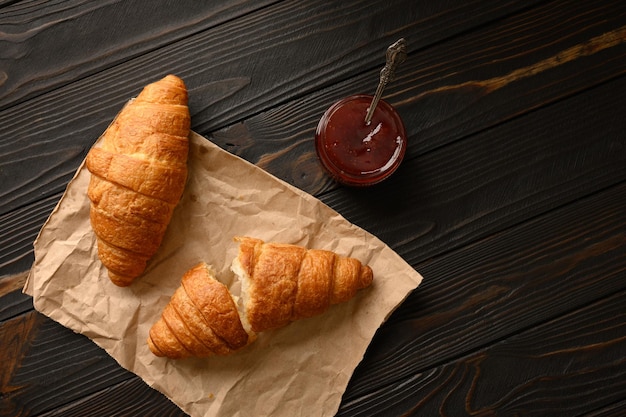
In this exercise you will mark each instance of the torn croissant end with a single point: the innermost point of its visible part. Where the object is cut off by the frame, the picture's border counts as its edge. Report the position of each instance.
(201, 319)
(280, 283)
(138, 174)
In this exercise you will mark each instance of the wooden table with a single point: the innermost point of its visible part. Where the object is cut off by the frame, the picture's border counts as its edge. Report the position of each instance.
(511, 201)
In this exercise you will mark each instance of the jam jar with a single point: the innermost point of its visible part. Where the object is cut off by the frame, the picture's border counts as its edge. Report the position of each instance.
(357, 153)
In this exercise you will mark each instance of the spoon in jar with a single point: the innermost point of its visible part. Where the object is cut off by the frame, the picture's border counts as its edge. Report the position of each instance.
(396, 54)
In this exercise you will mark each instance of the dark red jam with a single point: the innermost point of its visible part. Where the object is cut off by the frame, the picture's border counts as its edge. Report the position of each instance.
(356, 153)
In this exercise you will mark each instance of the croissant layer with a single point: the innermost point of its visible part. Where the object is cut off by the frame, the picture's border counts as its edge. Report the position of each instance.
(139, 171)
(201, 319)
(282, 283)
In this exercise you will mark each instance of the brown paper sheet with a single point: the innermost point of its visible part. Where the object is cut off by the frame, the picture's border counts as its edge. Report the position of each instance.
(302, 369)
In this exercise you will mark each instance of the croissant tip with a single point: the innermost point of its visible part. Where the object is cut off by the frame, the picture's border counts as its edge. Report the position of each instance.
(367, 276)
(173, 79)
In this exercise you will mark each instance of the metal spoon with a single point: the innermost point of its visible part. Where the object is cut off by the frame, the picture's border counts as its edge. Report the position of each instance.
(396, 54)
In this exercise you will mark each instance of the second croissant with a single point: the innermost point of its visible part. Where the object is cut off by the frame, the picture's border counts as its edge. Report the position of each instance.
(280, 283)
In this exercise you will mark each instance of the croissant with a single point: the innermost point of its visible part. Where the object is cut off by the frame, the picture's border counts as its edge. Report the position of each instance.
(201, 319)
(138, 176)
(281, 283)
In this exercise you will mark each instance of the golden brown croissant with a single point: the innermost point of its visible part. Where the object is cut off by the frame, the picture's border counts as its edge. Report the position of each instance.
(201, 319)
(282, 283)
(138, 176)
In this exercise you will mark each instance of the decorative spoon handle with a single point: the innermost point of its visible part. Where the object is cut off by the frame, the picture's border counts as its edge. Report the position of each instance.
(396, 54)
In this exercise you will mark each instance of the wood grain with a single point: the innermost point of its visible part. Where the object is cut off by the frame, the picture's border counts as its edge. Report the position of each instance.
(21, 227)
(448, 92)
(493, 180)
(227, 82)
(14, 339)
(506, 283)
(12, 283)
(615, 409)
(571, 365)
(42, 43)
(129, 398)
(51, 367)
(14, 302)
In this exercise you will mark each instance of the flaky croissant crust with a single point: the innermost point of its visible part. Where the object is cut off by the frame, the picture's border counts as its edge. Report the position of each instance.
(201, 319)
(282, 282)
(139, 172)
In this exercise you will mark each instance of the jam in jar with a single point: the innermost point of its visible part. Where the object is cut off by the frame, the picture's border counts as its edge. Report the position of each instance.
(355, 152)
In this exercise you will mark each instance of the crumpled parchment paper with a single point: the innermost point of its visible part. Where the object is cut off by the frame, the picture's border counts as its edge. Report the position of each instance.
(302, 369)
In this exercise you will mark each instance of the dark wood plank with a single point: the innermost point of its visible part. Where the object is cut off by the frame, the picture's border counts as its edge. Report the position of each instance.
(346, 38)
(488, 291)
(572, 365)
(615, 409)
(129, 398)
(43, 43)
(49, 365)
(20, 228)
(15, 335)
(227, 82)
(12, 301)
(456, 88)
(5, 3)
